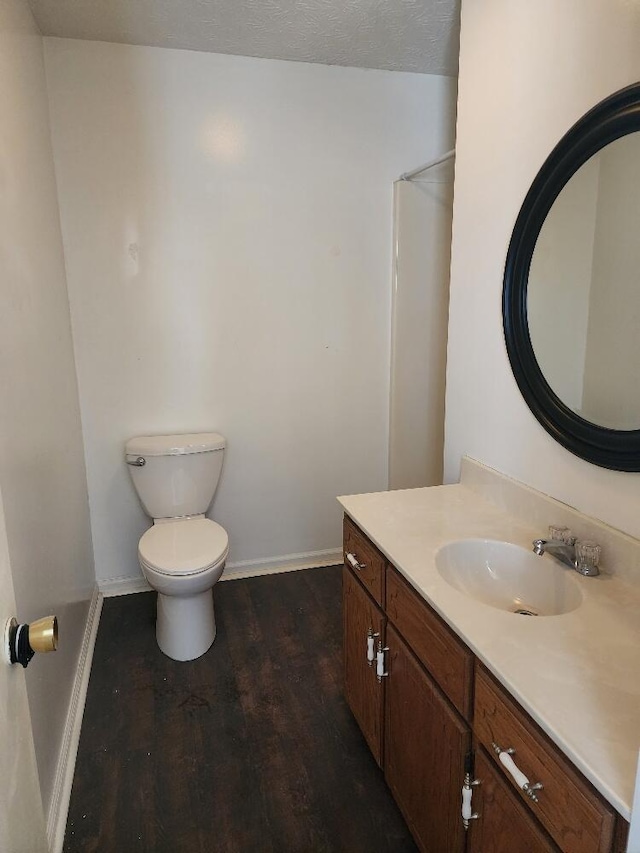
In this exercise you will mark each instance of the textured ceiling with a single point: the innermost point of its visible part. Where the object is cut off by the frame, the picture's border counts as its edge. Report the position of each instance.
(398, 35)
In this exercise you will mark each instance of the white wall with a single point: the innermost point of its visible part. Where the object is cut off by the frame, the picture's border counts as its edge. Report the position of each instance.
(227, 230)
(42, 472)
(528, 71)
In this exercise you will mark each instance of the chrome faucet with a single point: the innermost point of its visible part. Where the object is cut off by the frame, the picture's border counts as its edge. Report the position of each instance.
(583, 556)
(563, 551)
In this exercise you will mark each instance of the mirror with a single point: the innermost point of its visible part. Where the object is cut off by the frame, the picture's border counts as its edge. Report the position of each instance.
(571, 298)
(583, 293)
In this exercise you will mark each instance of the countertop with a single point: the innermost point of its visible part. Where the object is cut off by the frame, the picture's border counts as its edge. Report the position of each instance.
(576, 674)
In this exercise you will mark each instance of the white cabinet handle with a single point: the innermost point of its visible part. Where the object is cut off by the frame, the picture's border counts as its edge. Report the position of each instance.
(468, 813)
(371, 654)
(353, 561)
(380, 671)
(504, 756)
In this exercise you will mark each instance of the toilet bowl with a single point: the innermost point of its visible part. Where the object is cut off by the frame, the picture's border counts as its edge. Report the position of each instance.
(183, 554)
(182, 560)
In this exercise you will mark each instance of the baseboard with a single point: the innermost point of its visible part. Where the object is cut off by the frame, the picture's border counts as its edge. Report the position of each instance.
(59, 806)
(277, 565)
(126, 585)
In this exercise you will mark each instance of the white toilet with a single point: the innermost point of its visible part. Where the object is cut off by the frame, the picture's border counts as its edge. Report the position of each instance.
(183, 554)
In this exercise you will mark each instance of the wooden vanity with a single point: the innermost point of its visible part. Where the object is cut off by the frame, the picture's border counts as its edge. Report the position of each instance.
(432, 712)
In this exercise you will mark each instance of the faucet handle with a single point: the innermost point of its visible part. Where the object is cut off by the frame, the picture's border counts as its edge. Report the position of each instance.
(562, 534)
(587, 557)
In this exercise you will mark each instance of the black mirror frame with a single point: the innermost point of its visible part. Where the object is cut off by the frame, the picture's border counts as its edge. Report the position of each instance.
(616, 116)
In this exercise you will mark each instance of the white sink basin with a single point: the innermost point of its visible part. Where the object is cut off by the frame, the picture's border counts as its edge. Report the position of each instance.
(508, 577)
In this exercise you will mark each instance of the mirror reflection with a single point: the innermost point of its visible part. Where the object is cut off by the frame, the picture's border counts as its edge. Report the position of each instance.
(583, 293)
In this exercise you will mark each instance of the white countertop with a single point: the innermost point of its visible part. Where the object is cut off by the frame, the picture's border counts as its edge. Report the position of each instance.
(576, 674)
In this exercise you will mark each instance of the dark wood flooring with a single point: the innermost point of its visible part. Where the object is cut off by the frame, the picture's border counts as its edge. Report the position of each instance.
(250, 749)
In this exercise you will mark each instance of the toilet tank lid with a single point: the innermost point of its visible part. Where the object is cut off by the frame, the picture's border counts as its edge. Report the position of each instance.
(174, 445)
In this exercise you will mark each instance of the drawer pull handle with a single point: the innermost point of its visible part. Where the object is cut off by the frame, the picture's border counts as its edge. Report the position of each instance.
(353, 561)
(504, 755)
(371, 654)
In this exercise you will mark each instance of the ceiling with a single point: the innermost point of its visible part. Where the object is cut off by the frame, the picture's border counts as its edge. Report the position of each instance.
(397, 35)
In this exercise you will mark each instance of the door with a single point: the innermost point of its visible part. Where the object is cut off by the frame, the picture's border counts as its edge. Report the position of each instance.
(426, 742)
(22, 827)
(503, 824)
(363, 691)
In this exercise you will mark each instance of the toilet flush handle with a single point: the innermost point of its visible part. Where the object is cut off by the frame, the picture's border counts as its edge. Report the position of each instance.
(138, 462)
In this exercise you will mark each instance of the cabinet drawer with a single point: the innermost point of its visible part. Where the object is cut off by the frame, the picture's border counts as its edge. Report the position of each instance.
(441, 652)
(503, 822)
(568, 807)
(371, 563)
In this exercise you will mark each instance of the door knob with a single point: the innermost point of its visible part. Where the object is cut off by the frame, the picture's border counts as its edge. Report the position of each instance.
(22, 641)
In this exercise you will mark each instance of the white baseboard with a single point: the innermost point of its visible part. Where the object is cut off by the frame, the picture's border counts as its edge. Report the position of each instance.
(125, 585)
(59, 806)
(277, 565)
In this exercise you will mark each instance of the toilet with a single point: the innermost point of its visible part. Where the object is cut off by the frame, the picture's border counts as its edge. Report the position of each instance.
(183, 554)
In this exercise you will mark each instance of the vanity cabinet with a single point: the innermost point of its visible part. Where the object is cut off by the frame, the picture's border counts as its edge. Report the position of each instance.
(436, 711)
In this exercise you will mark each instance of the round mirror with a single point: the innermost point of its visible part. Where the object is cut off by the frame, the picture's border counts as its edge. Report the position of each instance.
(571, 299)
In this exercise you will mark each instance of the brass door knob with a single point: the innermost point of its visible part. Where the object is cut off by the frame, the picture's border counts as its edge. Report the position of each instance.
(43, 634)
(22, 641)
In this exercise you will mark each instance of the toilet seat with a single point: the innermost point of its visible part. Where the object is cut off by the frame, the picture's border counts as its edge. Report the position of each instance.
(184, 547)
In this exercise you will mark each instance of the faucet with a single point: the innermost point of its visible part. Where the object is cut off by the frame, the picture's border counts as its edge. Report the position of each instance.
(583, 556)
(563, 551)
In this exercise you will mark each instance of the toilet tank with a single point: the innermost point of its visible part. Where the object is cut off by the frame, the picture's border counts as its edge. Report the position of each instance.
(175, 475)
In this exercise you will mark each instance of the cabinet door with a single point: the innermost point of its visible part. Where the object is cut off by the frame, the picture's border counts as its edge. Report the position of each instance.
(363, 692)
(503, 824)
(425, 746)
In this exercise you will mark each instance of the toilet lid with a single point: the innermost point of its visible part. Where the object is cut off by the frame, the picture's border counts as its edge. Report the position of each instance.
(183, 547)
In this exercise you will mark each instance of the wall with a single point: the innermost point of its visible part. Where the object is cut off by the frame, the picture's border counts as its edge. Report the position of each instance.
(528, 71)
(42, 472)
(227, 229)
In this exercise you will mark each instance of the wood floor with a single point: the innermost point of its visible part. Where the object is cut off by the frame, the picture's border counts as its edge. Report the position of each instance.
(250, 749)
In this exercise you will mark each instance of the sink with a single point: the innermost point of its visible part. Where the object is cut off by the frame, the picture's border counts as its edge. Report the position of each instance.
(509, 577)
